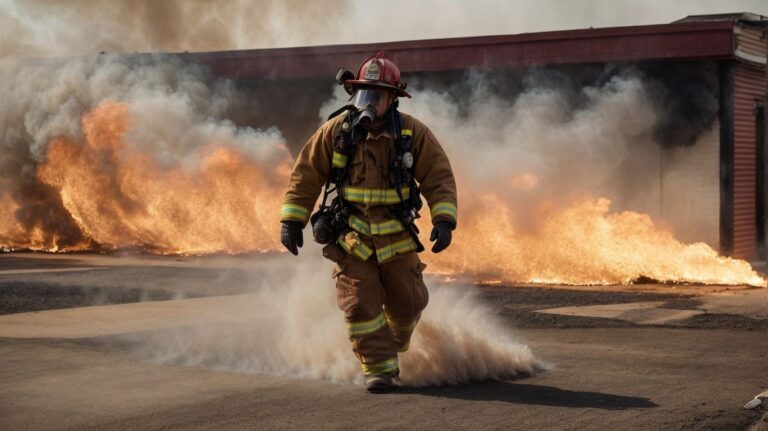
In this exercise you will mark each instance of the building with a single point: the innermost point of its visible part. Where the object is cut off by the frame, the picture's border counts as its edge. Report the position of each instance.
(720, 188)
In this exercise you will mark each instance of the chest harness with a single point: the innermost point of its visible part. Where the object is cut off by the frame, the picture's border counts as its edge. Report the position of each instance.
(331, 219)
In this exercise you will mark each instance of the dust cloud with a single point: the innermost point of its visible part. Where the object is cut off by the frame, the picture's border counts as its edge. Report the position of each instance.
(297, 330)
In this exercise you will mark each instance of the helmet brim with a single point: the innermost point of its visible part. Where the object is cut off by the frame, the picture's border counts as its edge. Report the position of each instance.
(376, 84)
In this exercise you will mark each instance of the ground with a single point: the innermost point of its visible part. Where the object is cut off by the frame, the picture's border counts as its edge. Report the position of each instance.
(641, 357)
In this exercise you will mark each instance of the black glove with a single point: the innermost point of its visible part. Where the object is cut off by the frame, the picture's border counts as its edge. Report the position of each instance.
(442, 233)
(291, 236)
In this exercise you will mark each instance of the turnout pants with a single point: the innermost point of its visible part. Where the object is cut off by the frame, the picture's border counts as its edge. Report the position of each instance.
(381, 302)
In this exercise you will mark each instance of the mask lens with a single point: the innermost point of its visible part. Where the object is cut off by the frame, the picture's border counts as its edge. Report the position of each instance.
(366, 97)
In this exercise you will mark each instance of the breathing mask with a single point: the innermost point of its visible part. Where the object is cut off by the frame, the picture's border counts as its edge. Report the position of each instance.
(371, 103)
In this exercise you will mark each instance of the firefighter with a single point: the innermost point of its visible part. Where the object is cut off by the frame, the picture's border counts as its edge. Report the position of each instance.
(377, 162)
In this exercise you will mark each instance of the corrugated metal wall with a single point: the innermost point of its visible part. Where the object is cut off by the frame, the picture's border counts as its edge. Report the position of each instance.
(749, 84)
(750, 43)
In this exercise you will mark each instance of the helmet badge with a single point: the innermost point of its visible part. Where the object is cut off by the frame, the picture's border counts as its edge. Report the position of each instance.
(373, 72)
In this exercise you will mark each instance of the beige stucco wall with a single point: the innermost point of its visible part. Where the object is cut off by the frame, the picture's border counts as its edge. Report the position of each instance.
(689, 185)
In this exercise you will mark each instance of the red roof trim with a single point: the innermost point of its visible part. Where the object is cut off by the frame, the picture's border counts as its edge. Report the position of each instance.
(693, 40)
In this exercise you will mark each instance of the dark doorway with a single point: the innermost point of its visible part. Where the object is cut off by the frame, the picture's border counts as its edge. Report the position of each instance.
(760, 176)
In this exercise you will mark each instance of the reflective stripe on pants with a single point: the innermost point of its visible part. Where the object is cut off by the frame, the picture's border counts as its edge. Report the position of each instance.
(367, 289)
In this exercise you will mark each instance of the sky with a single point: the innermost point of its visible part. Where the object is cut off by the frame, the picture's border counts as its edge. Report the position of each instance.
(78, 27)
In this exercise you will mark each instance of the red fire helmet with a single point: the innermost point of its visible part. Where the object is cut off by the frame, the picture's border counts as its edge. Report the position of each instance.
(378, 71)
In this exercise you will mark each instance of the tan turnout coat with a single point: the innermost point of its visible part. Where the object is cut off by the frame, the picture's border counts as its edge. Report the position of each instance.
(372, 229)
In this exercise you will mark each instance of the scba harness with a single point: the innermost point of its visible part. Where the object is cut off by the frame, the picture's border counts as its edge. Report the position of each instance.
(403, 202)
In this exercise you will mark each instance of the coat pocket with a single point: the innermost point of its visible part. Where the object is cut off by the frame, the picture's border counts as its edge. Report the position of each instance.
(334, 253)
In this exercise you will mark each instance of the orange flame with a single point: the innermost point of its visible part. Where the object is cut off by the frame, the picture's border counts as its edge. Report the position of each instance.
(121, 198)
(581, 245)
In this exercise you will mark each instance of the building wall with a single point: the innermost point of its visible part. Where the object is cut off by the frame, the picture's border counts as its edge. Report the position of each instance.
(749, 84)
(750, 42)
(690, 189)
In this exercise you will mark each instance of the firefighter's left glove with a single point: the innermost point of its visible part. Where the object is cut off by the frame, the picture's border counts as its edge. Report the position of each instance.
(291, 236)
(441, 234)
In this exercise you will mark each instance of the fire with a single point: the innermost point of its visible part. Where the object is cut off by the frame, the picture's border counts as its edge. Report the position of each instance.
(123, 198)
(584, 244)
(119, 196)
(10, 229)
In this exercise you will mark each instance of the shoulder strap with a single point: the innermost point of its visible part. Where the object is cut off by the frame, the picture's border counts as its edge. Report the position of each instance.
(404, 140)
(341, 110)
(344, 143)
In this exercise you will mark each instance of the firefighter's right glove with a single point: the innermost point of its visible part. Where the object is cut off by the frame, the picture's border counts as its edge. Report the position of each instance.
(441, 234)
(291, 236)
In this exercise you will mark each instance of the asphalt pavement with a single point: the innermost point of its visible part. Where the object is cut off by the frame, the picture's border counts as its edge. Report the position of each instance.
(141, 342)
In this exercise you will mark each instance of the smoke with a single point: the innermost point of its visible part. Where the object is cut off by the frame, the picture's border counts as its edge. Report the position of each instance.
(572, 140)
(142, 160)
(548, 138)
(81, 27)
(687, 101)
(577, 175)
(295, 329)
(543, 139)
(137, 151)
(155, 162)
(54, 28)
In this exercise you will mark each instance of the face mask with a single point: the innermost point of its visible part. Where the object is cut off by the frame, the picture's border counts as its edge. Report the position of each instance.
(369, 102)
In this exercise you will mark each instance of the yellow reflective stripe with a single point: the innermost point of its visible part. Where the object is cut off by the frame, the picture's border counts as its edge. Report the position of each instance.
(403, 246)
(402, 330)
(388, 366)
(358, 248)
(443, 208)
(294, 212)
(373, 196)
(367, 327)
(384, 228)
(339, 160)
(406, 132)
(359, 225)
(408, 327)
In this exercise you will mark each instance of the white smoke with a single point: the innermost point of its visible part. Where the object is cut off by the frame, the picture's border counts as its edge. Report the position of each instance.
(172, 102)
